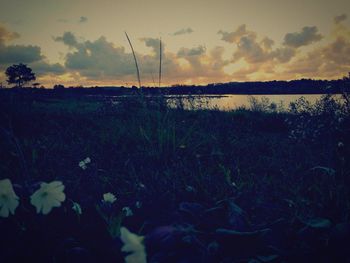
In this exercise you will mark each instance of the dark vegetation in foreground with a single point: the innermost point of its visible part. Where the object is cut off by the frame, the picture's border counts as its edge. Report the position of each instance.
(251, 185)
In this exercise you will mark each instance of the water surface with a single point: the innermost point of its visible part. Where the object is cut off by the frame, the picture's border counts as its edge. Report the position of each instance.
(229, 102)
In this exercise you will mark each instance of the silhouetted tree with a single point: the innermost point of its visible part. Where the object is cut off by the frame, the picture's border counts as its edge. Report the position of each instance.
(19, 74)
(58, 87)
(36, 84)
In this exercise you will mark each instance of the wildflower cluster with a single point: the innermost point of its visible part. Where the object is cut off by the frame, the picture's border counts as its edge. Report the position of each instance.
(48, 196)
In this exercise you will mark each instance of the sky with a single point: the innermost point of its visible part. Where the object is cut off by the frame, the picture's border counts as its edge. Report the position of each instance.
(82, 42)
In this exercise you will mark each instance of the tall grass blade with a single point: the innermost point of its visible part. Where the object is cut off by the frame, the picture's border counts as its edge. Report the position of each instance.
(137, 67)
(160, 61)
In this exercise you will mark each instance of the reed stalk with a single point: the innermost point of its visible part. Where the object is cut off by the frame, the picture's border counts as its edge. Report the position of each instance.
(160, 61)
(137, 67)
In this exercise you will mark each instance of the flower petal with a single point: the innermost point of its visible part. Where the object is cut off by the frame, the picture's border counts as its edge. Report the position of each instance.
(12, 205)
(4, 211)
(46, 208)
(60, 196)
(56, 184)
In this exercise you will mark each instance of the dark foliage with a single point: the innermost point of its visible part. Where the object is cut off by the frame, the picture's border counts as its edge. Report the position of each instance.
(204, 186)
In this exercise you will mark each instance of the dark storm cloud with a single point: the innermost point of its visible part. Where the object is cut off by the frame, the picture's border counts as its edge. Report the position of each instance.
(19, 54)
(305, 37)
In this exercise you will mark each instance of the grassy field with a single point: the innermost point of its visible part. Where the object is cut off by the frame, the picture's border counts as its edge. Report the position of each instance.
(250, 185)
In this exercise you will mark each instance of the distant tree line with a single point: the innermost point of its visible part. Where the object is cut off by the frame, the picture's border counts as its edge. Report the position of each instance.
(21, 74)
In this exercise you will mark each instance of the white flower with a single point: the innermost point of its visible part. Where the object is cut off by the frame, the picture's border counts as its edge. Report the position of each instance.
(127, 211)
(134, 245)
(48, 196)
(83, 163)
(109, 198)
(77, 208)
(340, 144)
(8, 198)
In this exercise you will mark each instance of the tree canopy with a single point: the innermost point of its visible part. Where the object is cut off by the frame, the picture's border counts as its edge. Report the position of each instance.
(19, 74)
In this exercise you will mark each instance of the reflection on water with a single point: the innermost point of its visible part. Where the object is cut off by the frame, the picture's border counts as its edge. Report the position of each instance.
(229, 101)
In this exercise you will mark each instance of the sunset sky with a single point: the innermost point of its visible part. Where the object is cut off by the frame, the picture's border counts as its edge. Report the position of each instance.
(82, 42)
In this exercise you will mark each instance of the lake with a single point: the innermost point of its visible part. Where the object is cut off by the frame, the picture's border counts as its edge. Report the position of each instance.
(229, 102)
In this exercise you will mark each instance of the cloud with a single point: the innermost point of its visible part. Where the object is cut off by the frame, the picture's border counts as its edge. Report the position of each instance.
(6, 36)
(186, 52)
(16, 53)
(284, 55)
(68, 39)
(235, 36)
(153, 43)
(96, 59)
(329, 61)
(183, 31)
(340, 18)
(83, 19)
(101, 60)
(307, 36)
(43, 67)
(204, 65)
(249, 48)
(253, 57)
(267, 43)
(338, 51)
(19, 54)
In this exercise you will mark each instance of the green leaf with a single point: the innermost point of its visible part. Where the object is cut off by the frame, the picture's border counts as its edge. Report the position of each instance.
(328, 170)
(115, 225)
(319, 223)
(228, 232)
